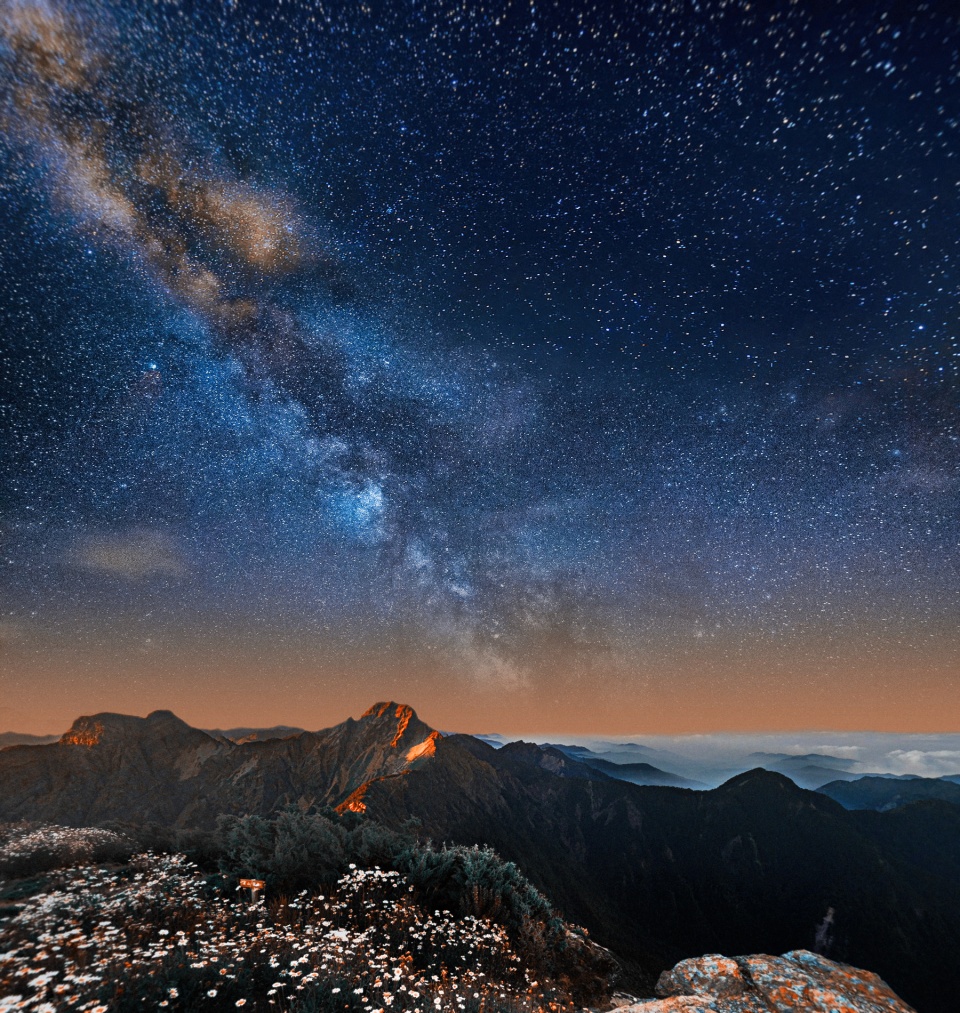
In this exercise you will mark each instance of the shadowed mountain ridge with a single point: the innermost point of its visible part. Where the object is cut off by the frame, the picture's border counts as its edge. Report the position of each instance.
(882, 793)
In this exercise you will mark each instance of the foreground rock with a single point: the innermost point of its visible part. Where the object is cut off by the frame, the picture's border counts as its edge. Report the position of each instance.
(799, 980)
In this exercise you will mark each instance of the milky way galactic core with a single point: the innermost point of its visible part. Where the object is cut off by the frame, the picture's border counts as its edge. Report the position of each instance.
(593, 361)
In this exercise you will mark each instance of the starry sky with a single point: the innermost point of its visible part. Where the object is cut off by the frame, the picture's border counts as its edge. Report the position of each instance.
(559, 365)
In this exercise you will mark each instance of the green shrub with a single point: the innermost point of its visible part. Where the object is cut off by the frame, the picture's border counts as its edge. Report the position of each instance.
(310, 851)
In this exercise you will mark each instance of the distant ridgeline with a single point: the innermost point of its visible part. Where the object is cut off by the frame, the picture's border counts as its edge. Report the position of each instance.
(886, 793)
(656, 873)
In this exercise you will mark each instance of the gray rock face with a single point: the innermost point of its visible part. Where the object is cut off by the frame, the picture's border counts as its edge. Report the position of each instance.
(799, 980)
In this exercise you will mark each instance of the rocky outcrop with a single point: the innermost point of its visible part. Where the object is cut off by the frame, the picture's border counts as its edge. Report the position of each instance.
(799, 980)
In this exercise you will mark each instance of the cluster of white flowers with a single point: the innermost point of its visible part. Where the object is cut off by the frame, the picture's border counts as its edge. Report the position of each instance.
(69, 844)
(157, 934)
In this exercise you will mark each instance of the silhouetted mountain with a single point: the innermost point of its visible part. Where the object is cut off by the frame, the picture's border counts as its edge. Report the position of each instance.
(552, 760)
(630, 747)
(892, 777)
(636, 773)
(785, 759)
(656, 873)
(883, 793)
(491, 738)
(23, 739)
(641, 773)
(571, 750)
(812, 776)
(809, 770)
(255, 734)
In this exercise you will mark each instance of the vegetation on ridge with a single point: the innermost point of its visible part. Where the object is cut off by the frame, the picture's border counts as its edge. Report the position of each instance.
(414, 927)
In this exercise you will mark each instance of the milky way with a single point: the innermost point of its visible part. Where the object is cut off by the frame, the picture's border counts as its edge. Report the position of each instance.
(557, 344)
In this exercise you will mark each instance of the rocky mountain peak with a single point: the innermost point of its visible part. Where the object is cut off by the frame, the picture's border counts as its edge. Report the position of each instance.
(389, 709)
(400, 719)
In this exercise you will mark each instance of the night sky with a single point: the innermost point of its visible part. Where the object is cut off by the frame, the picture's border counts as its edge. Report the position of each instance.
(557, 365)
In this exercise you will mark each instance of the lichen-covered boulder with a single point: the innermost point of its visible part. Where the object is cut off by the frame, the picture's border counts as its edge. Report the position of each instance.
(712, 975)
(799, 980)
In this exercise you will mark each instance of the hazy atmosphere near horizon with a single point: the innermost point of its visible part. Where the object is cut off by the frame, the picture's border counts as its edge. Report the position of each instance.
(572, 366)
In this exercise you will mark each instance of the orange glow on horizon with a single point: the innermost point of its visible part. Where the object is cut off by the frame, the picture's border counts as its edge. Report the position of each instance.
(214, 686)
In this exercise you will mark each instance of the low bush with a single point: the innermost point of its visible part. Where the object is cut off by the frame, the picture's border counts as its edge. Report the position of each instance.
(298, 850)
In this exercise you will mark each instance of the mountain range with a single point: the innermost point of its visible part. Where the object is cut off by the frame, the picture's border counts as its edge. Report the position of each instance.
(636, 773)
(696, 763)
(23, 739)
(160, 769)
(656, 873)
(885, 793)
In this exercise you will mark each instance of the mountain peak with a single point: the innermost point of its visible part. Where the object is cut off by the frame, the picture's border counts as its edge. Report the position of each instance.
(404, 716)
(387, 707)
(91, 730)
(163, 715)
(760, 778)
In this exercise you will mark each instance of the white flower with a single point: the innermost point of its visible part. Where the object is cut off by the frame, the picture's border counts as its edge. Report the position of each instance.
(241, 1002)
(212, 992)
